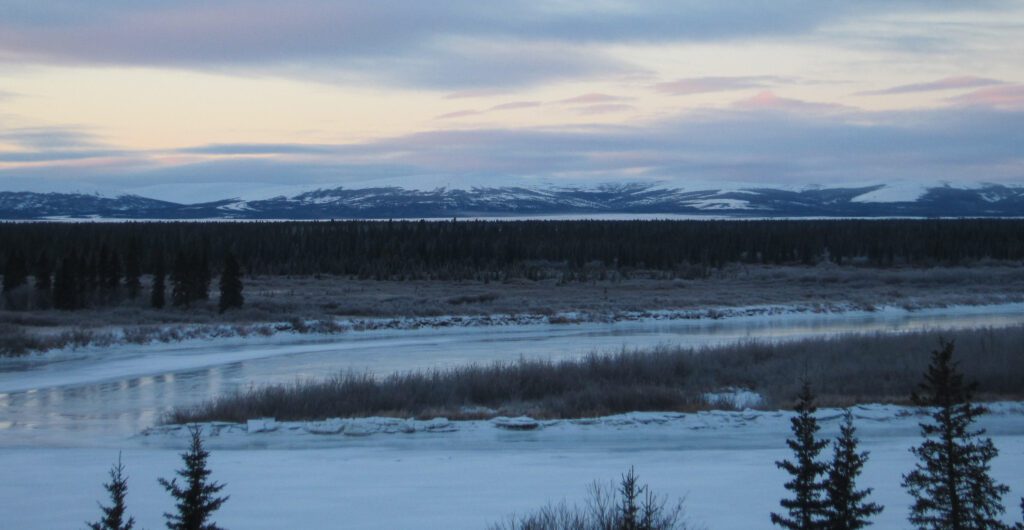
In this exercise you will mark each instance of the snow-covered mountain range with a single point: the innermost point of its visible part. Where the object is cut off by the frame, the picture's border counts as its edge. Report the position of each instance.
(393, 202)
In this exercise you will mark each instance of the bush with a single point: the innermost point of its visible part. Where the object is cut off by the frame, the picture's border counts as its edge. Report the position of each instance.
(630, 506)
(847, 369)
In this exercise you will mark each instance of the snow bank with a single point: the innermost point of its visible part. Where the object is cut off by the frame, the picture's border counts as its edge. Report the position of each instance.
(871, 419)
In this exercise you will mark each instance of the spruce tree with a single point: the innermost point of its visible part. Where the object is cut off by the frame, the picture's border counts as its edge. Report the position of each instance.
(630, 492)
(845, 506)
(157, 293)
(112, 279)
(201, 277)
(132, 270)
(231, 284)
(805, 510)
(950, 484)
(181, 281)
(114, 515)
(15, 272)
(15, 275)
(43, 273)
(65, 287)
(196, 498)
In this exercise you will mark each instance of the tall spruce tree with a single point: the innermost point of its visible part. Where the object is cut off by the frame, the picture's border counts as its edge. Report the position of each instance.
(181, 281)
(950, 484)
(15, 271)
(157, 294)
(43, 273)
(196, 499)
(15, 275)
(231, 284)
(845, 505)
(114, 515)
(806, 509)
(201, 276)
(65, 287)
(112, 271)
(132, 270)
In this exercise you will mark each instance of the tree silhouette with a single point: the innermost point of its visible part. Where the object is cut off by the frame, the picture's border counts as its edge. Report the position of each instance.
(114, 515)
(805, 510)
(231, 284)
(950, 484)
(157, 295)
(845, 506)
(196, 499)
(132, 270)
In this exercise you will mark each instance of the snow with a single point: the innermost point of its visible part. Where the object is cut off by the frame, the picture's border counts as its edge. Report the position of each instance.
(66, 416)
(479, 473)
(738, 398)
(719, 204)
(895, 192)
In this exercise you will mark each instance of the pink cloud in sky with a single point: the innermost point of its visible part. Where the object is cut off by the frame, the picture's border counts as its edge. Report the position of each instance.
(458, 114)
(700, 85)
(769, 101)
(1006, 97)
(605, 108)
(516, 105)
(478, 93)
(593, 97)
(946, 83)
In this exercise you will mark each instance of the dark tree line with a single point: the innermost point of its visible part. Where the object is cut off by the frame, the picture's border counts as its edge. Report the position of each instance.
(477, 249)
(81, 279)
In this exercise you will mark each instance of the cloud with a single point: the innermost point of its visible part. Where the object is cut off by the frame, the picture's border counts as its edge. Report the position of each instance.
(257, 149)
(604, 109)
(1010, 97)
(456, 44)
(517, 105)
(591, 98)
(699, 85)
(769, 101)
(459, 114)
(946, 83)
(41, 138)
(739, 144)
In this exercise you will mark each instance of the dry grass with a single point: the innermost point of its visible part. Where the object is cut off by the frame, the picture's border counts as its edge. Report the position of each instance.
(325, 298)
(843, 370)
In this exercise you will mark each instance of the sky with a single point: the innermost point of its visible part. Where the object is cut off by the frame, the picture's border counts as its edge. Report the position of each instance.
(192, 100)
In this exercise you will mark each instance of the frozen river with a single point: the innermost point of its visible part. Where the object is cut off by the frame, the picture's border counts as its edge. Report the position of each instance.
(64, 417)
(100, 398)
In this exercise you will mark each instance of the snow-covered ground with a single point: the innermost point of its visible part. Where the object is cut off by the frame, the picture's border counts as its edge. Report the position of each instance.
(722, 463)
(65, 415)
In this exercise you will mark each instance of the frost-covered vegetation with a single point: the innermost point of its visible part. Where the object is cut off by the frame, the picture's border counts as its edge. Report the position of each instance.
(846, 369)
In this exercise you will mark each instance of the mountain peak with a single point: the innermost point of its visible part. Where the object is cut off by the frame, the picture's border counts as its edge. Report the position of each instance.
(880, 200)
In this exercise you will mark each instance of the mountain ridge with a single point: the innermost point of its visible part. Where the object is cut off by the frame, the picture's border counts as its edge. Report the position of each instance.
(990, 200)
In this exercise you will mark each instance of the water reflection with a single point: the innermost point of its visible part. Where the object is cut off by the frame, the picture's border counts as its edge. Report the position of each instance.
(110, 411)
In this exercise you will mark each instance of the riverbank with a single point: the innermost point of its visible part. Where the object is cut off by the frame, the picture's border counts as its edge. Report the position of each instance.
(334, 305)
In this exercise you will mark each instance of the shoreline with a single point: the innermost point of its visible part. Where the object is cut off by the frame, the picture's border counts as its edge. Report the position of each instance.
(323, 330)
